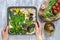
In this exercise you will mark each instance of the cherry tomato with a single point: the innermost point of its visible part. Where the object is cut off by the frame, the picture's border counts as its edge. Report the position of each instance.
(58, 8)
(58, 1)
(56, 4)
(54, 7)
(55, 12)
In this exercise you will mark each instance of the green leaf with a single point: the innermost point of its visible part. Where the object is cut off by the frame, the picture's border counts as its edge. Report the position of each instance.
(32, 29)
(28, 22)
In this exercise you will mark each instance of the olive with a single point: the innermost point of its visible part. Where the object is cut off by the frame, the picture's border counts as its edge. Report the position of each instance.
(32, 25)
(24, 25)
(31, 14)
(28, 29)
(31, 18)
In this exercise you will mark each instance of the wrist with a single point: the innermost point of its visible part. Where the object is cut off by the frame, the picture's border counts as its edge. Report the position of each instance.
(39, 38)
(5, 39)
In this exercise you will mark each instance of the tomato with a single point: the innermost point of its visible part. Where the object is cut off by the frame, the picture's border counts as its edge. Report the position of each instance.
(55, 11)
(54, 7)
(56, 4)
(58, 1)
(58, 8)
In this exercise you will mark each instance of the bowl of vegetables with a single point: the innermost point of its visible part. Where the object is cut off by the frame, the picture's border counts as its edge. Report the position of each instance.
(21, 20)
(50, 10)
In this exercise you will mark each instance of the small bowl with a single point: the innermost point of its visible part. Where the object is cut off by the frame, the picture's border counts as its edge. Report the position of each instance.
(49, 28)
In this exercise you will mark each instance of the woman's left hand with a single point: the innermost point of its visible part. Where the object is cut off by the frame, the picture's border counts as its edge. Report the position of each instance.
(5, 33)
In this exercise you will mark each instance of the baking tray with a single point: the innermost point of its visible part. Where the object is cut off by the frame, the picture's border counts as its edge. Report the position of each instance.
(17, 23)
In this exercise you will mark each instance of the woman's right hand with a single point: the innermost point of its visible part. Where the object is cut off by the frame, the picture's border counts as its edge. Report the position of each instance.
(38, 30)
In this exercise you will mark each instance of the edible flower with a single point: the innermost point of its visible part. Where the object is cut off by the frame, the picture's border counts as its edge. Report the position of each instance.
(17, 10)
(27, 15)
(21, 14)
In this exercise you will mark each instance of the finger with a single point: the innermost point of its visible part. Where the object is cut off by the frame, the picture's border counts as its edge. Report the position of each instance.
(4, 29)
(39, 24)
(36, 26)
(7, 28)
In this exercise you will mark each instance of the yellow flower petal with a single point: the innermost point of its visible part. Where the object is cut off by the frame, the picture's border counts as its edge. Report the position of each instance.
(21, 14)
(17, 10)
(27, 15)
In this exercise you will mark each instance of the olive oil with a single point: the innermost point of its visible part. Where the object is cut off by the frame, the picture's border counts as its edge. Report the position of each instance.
(49, 28)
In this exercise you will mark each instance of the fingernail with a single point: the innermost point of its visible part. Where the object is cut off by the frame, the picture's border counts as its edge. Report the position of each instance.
(38, 24)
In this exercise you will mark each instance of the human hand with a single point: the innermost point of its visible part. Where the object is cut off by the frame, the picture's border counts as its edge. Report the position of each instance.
(38, 30)
(5, 33)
